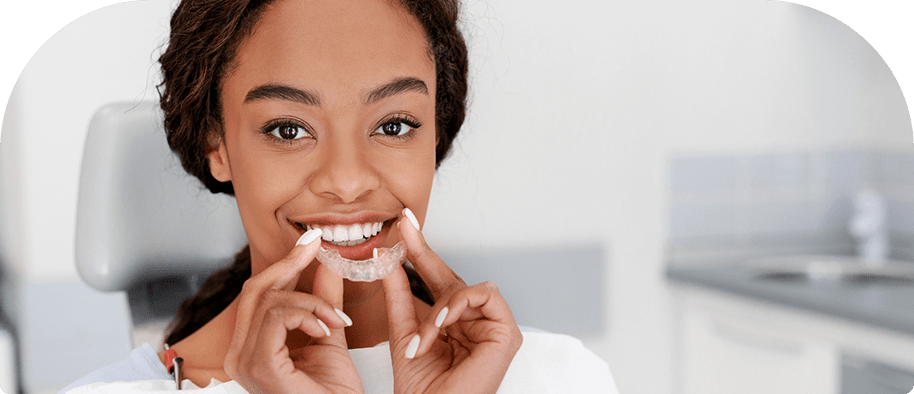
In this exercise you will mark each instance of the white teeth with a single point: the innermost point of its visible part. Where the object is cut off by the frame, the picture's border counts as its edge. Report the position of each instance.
(349, 235)
(340, 234)
(355, 232)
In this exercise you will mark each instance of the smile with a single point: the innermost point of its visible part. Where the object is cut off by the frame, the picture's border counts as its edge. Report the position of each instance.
(348, 235)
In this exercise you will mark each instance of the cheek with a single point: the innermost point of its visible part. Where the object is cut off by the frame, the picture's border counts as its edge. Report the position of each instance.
(262, 185)
(411, 181)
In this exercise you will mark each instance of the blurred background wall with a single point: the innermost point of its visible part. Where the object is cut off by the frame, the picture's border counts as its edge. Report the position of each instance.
(577, 111)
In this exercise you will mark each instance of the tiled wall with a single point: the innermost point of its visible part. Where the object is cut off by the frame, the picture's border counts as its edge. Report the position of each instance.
(792, 195)
(894, 177)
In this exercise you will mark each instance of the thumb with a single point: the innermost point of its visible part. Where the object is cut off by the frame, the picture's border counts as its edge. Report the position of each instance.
(402, 321)
(328, 286)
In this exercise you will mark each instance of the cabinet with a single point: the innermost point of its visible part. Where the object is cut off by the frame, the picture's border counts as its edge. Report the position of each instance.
(731, 344)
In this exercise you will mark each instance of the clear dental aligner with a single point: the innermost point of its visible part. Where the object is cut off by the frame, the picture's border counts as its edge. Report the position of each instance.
(377, 267)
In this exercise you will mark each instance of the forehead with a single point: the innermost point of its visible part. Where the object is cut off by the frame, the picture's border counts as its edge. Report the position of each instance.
(333, 45)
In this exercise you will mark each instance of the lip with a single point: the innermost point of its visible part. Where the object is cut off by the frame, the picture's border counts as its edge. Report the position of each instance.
(356, 252)
(345, 219)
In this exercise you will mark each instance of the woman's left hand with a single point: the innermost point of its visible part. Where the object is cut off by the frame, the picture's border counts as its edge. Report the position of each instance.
(479, 338)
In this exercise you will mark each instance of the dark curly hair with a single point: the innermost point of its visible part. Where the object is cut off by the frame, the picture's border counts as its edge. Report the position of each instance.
(205, 36)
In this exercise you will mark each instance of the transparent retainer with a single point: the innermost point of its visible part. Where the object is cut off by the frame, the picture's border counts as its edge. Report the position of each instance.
(364, 270)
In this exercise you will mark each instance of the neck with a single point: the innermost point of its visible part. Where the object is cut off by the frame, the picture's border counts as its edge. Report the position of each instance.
(204, 351)
(369, 321)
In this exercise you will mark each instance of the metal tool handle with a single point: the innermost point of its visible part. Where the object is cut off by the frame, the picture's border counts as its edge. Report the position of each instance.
(177, 373)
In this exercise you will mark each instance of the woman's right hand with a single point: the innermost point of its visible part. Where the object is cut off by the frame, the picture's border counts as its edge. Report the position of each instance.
(258, 357)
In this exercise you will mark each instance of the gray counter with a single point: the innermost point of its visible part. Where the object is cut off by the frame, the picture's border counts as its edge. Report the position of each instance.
(889, 306)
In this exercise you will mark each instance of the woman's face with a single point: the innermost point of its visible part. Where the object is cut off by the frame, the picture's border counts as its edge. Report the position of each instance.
(329, 121)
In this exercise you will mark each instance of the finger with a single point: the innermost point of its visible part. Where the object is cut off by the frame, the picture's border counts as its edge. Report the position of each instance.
(284, 273)
(479, 302)
(401, 313)
(281, 274)
(440, 278)
(328, 286)
(313, 304)
(273, 299)
(270, 349)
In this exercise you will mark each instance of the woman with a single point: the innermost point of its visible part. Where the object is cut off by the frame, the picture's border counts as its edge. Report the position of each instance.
(326, 120)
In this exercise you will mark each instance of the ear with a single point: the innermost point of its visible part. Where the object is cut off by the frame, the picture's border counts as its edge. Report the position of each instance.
(219, 164)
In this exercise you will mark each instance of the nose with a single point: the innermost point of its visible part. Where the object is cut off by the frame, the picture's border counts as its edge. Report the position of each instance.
(345, 173)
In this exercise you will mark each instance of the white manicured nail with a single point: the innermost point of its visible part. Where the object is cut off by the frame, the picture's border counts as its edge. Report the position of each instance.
(309, 236)
(344, 316)
(441, 316)
(412, 218)
(412, 347)
(374, 254)
(324, 326)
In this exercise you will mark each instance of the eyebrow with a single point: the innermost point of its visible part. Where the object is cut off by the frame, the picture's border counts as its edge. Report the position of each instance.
(283, 92)
(289, 93)
(397, 86)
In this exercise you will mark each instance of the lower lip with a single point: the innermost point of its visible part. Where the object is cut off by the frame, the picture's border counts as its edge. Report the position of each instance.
(362, 251)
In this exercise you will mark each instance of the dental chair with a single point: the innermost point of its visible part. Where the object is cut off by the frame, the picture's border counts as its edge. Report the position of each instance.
(144, 226)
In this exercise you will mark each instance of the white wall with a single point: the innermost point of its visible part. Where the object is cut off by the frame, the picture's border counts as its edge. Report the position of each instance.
(575, 109)
(105, 56)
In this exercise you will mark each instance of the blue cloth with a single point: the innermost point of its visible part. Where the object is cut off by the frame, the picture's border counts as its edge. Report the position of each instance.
(143, 364)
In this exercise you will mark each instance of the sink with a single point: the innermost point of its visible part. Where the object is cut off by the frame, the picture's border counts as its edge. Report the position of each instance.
(853, 279)
(834, 271)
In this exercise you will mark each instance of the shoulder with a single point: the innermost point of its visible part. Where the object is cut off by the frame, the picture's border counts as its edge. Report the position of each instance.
(556, 363)
(142, 364)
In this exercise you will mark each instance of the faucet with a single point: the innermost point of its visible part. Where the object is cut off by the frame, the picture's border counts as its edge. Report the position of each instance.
(868, 227)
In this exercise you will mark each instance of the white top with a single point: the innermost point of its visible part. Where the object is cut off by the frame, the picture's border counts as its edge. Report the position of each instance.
(545, 363)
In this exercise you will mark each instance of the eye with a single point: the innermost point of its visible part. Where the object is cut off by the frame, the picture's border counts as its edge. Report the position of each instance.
(397, 127)
(288, 131)
(394, 129)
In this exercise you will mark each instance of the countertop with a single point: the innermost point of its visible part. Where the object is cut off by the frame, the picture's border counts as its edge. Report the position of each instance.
(888, 306)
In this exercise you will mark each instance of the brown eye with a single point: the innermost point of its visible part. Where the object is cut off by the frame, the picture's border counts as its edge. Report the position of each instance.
(391, 128)
(289, 132)
(394, 129)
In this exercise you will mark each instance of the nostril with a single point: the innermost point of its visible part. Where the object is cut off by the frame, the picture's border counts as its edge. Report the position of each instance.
(346, 175)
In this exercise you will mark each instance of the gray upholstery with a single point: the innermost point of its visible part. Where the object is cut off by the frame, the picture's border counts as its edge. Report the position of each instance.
(140, 217)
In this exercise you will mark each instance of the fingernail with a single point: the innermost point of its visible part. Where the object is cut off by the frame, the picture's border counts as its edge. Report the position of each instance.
(344, 317)
(309, 236)
(441, 316)
(412, 218)
(374, 254)
(412, 347)
(324, 326)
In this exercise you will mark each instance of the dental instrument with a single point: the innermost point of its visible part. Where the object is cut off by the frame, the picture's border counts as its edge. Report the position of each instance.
(173, 364)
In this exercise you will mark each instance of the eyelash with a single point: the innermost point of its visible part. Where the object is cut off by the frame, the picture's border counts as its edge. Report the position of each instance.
(267, 130)
(405, 119)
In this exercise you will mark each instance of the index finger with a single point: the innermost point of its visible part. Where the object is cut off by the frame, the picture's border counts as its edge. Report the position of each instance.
(280, 275)
(440, 278)
(283, 274)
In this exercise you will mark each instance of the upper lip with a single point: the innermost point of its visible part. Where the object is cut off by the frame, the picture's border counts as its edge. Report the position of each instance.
(332, 219)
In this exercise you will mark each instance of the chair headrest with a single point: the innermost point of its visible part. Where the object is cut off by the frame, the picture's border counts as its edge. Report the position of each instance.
(140, 216)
